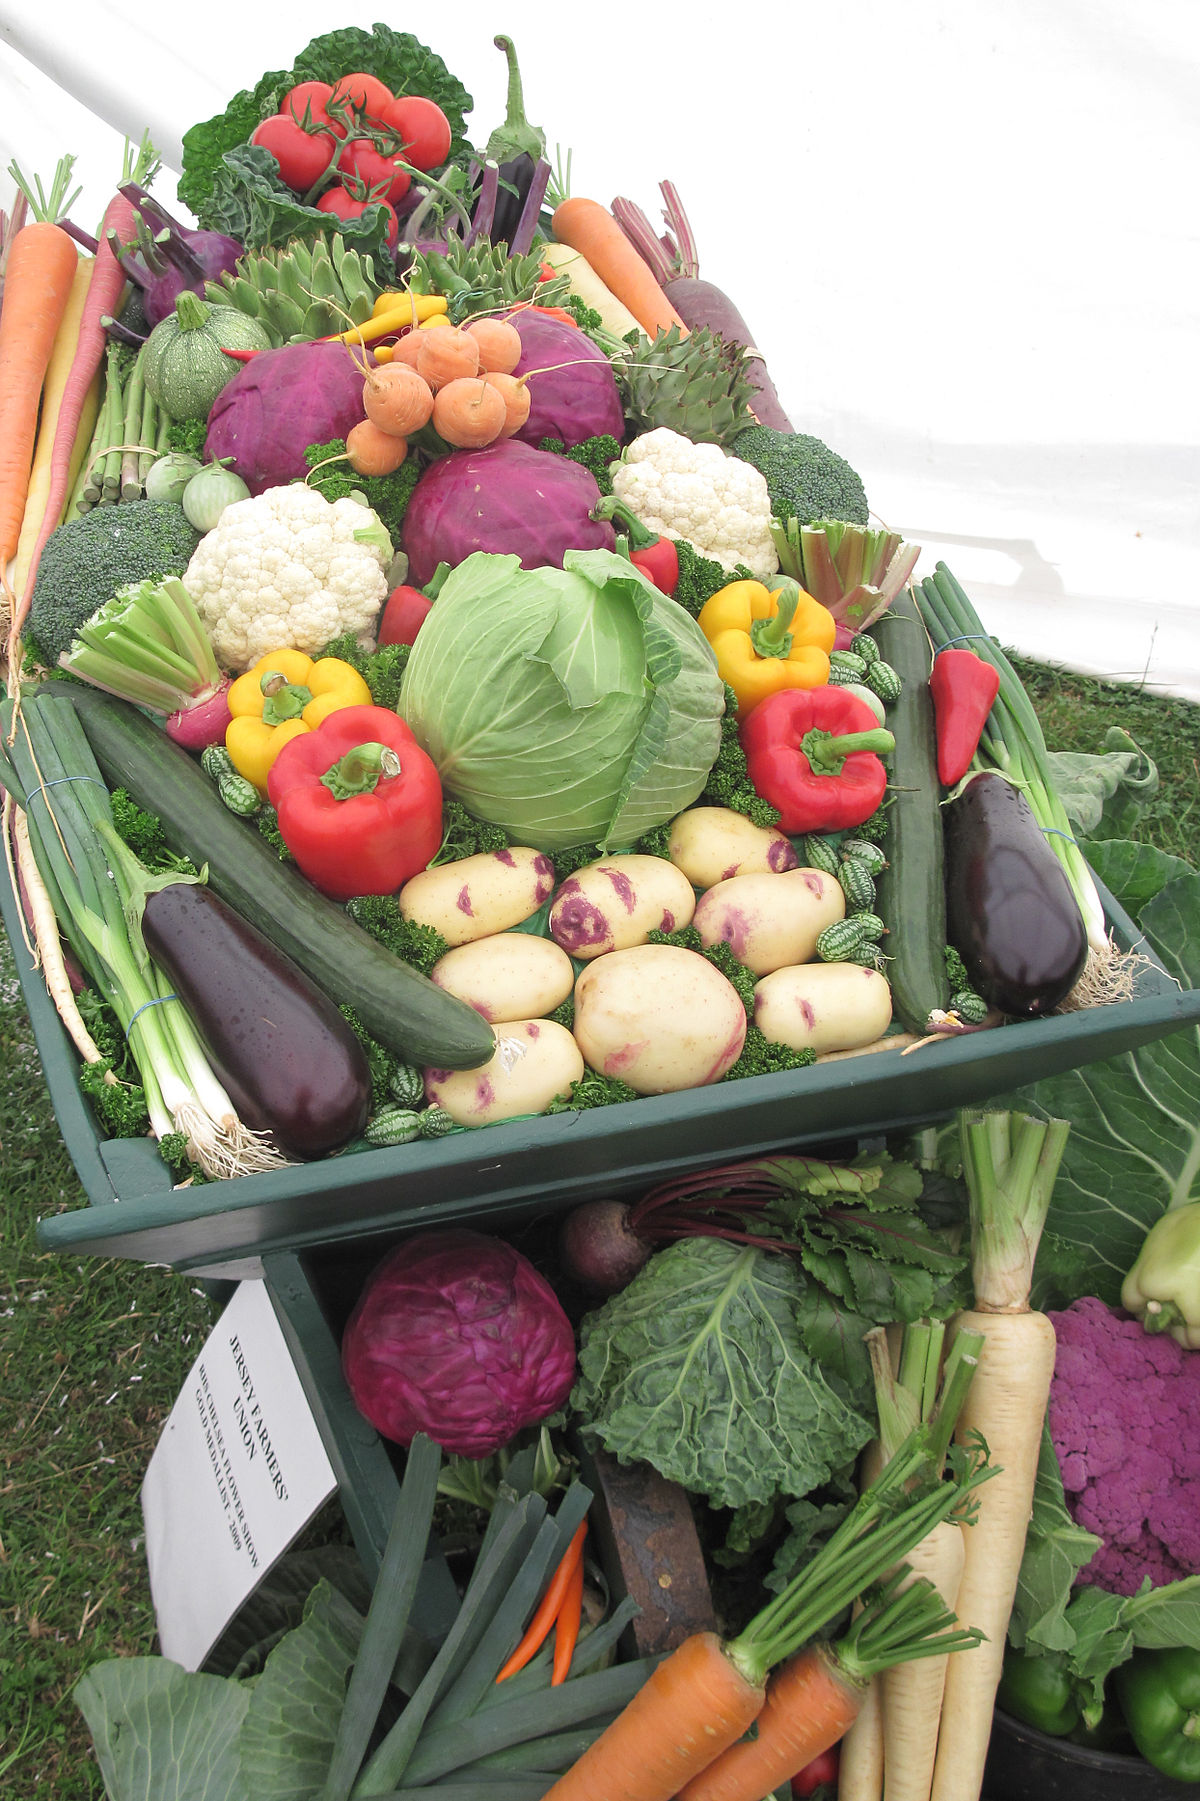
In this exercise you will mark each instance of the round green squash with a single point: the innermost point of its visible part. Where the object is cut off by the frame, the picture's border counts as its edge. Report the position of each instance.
(183, 360)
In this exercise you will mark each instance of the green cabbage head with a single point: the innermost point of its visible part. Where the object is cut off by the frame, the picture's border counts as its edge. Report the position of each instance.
(570, 706)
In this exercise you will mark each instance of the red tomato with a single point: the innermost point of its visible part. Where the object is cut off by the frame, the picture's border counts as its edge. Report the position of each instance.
(405, 612)
(822, 1769)
(424, 129)
(378, 172)
(365, 93)
(306, 104)
(302, 157)
(344, 206)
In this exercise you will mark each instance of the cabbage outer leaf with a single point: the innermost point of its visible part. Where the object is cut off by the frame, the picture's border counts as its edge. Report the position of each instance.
(570, 706)
(700, 1369)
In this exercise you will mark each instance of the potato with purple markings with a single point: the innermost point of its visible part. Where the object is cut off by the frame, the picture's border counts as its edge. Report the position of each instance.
(535, 1062)
(769, 921)
(823, 1006)
(711, 844)
(659, 1018)
(512, 975)
(481, 895)
(616, 903)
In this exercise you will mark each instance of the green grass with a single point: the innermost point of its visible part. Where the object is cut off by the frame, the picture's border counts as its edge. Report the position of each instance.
(93, 1353)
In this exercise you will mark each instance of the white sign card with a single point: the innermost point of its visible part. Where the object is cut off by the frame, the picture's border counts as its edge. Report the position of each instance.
(237, 1473)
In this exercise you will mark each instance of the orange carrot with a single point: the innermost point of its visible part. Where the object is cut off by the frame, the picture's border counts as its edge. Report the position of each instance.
(538, 1629)
(566, 1626)
(811, 1701)
(37, 286)
(692, 1707)
(590, 228)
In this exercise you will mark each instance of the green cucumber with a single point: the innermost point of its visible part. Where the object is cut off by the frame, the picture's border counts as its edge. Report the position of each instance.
(861, 850)
(400, 1008)
(435, 1122)
(841, 940)
(239, 795)
(911, 891)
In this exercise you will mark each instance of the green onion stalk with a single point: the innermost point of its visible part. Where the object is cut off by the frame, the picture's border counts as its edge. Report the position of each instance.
(97, 888)
(1013, 743)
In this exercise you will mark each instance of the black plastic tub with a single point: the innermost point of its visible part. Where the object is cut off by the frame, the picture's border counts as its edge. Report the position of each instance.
(1027, 1765)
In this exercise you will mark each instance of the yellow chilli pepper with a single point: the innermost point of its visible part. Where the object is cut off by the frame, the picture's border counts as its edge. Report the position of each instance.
(765, 639)
(283, 696)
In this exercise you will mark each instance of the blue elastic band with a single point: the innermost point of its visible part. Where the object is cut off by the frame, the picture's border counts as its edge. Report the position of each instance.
(969, 637)
(42, 786)
(1048, 829)
(159, 1001)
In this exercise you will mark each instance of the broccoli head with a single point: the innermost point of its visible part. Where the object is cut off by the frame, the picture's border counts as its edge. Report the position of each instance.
(86, 560)
(805, 479)
(1122, 1406)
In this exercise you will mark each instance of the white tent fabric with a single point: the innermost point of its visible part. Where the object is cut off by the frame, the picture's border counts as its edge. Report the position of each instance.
(963, 234)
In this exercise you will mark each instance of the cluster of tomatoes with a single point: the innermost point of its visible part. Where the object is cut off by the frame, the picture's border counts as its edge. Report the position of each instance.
(344, 147)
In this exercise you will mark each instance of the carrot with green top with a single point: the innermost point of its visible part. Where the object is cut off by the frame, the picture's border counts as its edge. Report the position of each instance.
(38, 279)
(707, 1694)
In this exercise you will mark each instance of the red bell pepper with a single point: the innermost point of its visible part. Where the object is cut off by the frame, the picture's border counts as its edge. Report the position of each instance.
(359, 803)
(654, 555)
(813, 753)
(963, 687)
(404, 613)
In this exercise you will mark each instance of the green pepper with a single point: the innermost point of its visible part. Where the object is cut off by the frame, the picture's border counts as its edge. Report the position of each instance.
(1163, 1287)
(1040, 1691)
(1160, 1697)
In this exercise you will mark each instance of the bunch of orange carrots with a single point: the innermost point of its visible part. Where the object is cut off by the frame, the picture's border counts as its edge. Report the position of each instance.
(52, 345)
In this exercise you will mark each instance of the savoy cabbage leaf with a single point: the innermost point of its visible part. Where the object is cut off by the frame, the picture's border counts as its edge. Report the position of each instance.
(702, 1368)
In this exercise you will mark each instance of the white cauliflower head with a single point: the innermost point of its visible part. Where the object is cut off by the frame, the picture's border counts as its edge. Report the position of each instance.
(288, 568)
(695, 491)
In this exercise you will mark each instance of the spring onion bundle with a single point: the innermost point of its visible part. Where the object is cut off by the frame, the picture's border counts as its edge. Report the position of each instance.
(96, 888)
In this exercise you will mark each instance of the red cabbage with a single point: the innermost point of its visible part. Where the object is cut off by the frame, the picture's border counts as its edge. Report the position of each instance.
(575, 396)
(457, 1335)
(507, 499)
(279, 403)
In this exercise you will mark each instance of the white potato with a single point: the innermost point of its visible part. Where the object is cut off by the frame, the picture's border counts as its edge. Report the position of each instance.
(481, 895)
(823, 1006)
(770, 920)
(614, 904)
(535, 1061)
(711, 844)
(659, 1018)
(510, 976)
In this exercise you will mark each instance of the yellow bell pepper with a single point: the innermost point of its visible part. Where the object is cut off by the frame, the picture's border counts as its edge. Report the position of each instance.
(283, 696)
(765, 639)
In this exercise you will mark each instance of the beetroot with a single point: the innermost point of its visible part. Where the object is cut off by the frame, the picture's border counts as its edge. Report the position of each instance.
(575, 396)
(279, 403)
(600, 1248)
(457, 1335)
(506, 499)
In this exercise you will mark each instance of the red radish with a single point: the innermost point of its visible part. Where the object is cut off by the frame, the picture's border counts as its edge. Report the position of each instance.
(198, 726)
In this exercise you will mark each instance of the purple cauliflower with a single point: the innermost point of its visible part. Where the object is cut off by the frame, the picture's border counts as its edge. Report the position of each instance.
(457, 1335)
(1123, 1404)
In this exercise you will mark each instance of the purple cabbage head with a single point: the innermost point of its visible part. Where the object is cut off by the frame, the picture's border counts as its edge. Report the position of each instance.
(575, 396)
(508, 499)
(457, 1335)
(279, 403)
(205, 257)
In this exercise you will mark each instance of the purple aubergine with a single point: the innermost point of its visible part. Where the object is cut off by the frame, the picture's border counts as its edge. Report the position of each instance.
(1010, 911)
(288, 1060)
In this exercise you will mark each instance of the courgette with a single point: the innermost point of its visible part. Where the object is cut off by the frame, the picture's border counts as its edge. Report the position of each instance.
(911, 891)
(400, 1008)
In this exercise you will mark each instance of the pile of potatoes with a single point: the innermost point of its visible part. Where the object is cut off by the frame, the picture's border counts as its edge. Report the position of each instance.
(657, 1017)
